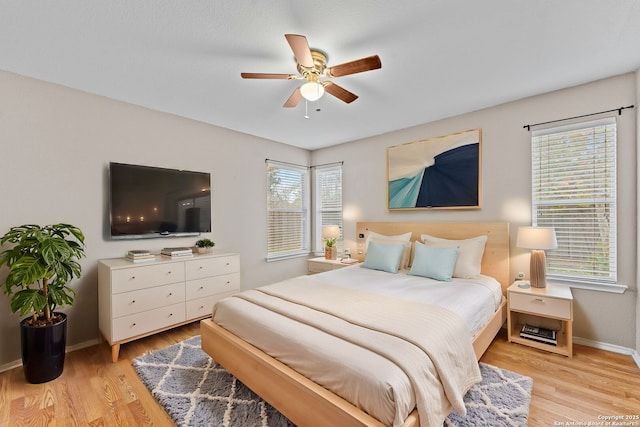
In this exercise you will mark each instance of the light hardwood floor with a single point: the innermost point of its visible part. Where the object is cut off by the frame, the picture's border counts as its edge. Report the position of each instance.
(92, 391)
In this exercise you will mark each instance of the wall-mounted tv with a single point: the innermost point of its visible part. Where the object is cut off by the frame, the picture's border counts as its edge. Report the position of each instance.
(147, 201)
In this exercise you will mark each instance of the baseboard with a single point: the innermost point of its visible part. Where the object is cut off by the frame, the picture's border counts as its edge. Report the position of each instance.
(609, 347)
(69, 349)
(636, 357)
(10, 365)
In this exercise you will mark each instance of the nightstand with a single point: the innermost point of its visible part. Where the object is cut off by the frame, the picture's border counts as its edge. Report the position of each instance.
(550, 307)
(320, 264)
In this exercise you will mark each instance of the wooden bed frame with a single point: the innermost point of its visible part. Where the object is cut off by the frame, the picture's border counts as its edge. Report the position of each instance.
(306, 403)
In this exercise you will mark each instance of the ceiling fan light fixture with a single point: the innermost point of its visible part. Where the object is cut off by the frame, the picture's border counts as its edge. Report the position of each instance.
(312, 91)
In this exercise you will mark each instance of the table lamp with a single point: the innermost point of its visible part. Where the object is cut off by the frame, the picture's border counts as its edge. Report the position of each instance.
(538, 239)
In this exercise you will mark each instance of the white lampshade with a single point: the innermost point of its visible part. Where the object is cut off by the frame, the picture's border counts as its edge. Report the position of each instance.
(536, 238)
(330, 232)
(312, 91)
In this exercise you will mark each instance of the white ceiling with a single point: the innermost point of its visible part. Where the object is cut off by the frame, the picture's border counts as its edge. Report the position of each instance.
(439, 58)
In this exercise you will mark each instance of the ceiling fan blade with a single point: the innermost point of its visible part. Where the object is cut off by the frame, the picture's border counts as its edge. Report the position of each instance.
(293, 100)
(267, 76)
(340, 92)
(358, 66)
(300, 48)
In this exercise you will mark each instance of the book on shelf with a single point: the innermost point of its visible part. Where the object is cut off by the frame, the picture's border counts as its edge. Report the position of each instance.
(544, 335)
(141, 259)
(177, 252)
(140, 255)
(139, 252)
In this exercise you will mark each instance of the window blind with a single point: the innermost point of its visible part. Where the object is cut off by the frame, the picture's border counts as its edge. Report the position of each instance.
(574, 191)
(328, 200)
(287, 210)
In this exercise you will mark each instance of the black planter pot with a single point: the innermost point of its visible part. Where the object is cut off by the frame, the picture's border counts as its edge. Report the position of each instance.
(43, 350)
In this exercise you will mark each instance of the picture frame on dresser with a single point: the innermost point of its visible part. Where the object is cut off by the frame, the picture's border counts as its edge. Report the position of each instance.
(136, 300)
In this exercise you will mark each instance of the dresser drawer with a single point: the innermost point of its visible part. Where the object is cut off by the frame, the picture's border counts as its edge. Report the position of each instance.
(206, 267)
(540, 304)
(126, 303)
(131, 279)
(212, 285)
(204, 306)
(147, 321)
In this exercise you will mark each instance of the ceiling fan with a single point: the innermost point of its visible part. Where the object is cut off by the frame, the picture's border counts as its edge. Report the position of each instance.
(312, 67)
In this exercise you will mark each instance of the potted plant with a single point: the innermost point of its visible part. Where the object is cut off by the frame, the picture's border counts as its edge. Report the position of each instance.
(330, 234)
(330, 251)
(41, 262)
(205, 245)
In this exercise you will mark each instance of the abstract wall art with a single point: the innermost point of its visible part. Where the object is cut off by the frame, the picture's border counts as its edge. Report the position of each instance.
(436, 173)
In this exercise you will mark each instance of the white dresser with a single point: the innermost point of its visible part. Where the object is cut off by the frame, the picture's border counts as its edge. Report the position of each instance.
(140, 299)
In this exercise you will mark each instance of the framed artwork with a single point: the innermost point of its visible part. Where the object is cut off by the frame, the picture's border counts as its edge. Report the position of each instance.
(436, 173)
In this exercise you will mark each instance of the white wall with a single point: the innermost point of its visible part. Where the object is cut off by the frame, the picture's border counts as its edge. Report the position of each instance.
(56, 144)
(506, 187)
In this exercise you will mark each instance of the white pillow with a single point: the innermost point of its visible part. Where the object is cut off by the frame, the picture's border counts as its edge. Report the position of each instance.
(469, 260)
(400, 238)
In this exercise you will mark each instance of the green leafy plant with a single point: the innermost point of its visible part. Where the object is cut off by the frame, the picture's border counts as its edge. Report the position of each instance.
(205, 243)
(41, 263)
(330, 242)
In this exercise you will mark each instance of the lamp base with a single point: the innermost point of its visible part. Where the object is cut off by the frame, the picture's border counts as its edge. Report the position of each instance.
(538, 269)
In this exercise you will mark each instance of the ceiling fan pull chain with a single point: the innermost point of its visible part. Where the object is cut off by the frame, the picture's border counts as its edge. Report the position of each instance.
(306, 109)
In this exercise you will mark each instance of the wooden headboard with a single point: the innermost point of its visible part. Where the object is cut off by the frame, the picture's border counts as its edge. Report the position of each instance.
(495, 261)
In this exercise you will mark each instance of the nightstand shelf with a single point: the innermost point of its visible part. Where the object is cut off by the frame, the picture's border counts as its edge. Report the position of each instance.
(320, 264)
(550, 307)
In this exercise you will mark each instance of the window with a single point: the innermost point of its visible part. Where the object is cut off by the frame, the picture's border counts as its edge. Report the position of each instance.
(574, 191)
(328, 199)
(287, 210)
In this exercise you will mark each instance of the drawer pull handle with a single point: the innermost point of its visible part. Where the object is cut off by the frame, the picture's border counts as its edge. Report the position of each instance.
(540, 299)
(133, 278)
(133, 301)
(201, 307)
(170, 314)
(133, 324)
(228, 282)
(228, 264)
(170, 293)
(200, 268)
(201, 288)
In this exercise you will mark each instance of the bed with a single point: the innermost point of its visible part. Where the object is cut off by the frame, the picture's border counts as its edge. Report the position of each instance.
(305, 402)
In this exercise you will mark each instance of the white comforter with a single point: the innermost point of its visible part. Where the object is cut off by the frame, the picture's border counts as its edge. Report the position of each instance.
(359, 373)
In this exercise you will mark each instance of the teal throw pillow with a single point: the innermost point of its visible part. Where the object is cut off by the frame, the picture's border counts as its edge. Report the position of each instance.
(383, 257)
(434, 263)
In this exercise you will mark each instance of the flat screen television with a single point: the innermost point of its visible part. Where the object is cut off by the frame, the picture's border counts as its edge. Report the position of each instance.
(147, 201)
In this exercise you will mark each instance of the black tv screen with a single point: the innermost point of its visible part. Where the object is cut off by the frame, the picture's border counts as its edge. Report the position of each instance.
(157, 202)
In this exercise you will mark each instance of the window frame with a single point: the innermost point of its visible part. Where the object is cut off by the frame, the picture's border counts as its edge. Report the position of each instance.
(320, 210)
(571, 197)
(302, 245)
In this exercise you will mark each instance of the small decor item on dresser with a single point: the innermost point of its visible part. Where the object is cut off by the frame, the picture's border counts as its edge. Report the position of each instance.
(179, 252)
(140, 255)
(330, 233)
(205, 246)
